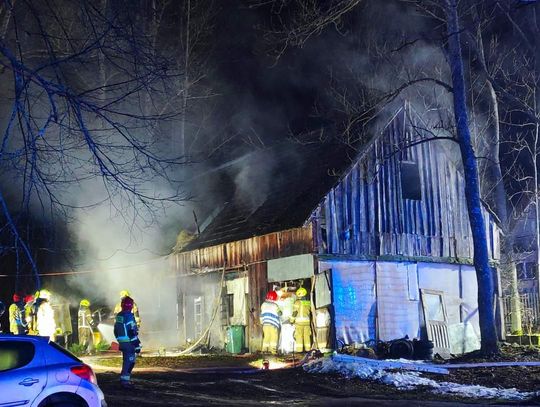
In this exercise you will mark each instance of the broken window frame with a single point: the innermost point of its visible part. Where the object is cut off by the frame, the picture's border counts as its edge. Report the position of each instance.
(410, 180)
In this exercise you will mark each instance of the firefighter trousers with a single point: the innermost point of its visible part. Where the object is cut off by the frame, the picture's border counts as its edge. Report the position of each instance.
(86, 338)
(128, 360)
(302, 337)
(270, 338)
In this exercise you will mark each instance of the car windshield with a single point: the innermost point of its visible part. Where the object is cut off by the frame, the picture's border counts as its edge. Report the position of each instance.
(65, 352)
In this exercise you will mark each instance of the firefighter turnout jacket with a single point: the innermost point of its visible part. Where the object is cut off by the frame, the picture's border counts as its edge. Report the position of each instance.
(125, 329)
(270, 320)
(270, 314)
(17, 319)
(301, 318)
(85, 318)
(45, 322)
(301, 312)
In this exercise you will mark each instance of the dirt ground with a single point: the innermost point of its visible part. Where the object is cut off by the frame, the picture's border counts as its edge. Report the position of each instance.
(278, 387)
(226, 380)
(524, 378)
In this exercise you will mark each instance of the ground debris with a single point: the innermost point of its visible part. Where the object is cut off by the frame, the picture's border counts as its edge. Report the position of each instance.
(508, 353)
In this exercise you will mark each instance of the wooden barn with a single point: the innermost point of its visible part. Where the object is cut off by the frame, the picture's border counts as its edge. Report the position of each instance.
(382, 240)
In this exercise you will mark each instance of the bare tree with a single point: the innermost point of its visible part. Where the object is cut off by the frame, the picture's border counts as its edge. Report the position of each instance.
(87, 86)
(302, 20)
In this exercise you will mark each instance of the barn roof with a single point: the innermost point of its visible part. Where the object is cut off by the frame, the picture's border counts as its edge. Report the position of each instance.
(273, 189)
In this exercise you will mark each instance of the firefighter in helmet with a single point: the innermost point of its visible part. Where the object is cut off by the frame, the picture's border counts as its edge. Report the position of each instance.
(126, 333)
(322, 323)
(286, 334)
(118, 307)
(85, 324)
(17, 320)
(29, 314)
(45, 323)
(270, 320)
(301, 318)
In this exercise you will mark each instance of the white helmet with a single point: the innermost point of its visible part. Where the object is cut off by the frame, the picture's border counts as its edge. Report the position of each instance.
(45, 294)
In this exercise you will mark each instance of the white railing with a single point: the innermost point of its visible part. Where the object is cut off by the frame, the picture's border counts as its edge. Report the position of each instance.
(530, 312)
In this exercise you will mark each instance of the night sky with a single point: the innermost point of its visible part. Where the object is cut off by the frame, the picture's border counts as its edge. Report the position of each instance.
(254, 101)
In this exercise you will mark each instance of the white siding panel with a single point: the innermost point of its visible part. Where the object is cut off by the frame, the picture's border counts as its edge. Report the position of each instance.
(397, 314)
(469, 296)
(443, 277)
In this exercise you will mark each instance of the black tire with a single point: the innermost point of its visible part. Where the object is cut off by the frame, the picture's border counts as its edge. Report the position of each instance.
(401, 348)
(63, 400)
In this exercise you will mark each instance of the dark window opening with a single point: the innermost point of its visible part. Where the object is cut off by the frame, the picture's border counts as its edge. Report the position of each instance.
(526, 271)
(524, 245)
(411, 186)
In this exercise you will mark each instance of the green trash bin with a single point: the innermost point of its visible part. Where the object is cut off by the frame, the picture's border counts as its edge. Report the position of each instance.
(235, 339)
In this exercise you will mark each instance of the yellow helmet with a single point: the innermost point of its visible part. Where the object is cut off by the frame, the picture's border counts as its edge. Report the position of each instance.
(45, 294)
(301, 292)
(85, 303)
(124, 293)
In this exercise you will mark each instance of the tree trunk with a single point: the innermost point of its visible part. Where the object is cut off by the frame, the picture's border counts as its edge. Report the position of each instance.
(536, 44)
(484, 272)
(498, 197)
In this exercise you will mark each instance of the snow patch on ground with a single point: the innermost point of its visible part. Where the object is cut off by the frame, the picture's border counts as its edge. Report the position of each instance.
(407, 380)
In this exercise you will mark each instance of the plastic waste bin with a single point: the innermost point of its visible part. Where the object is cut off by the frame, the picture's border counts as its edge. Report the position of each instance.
(235, 339)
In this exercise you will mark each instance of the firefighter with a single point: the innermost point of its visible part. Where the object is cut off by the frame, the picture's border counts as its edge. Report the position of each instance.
(322, 323)
(286, 335)
(45, 323)
(85, 324)
(17, 320)
(270, 320)
(118, 307)
(126, 333)
(302, 321)
(29, 314)
(35, 305)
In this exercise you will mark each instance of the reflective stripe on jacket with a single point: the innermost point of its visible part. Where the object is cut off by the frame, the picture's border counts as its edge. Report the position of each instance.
(85, 317)
(302, 312)
(270, 314)
(125, 327)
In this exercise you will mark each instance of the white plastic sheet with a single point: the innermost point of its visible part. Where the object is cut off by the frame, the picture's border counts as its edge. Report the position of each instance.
(353, 285)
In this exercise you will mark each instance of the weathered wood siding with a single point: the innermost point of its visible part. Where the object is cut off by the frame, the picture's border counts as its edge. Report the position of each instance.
(366, 214)
(258, 287)
(245, 252)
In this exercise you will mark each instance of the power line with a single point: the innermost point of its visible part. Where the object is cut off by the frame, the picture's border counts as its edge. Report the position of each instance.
(67, 273)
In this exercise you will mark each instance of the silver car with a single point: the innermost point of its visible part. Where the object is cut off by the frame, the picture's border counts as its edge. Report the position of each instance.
(38, 373)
